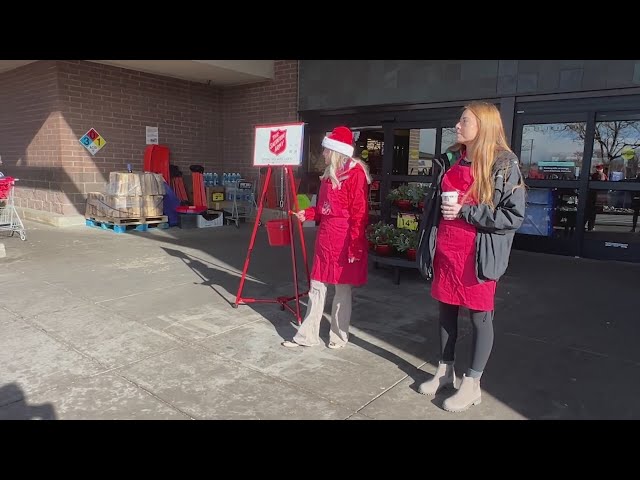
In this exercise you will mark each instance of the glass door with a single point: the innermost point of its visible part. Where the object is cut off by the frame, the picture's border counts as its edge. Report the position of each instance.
(408, 165)
(551, 148)
(613, 195)
(369, 147)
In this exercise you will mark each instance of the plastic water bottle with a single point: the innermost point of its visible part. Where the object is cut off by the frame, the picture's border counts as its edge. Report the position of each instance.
(215, 179)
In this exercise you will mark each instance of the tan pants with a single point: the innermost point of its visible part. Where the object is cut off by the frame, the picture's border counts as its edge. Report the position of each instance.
(309, 332)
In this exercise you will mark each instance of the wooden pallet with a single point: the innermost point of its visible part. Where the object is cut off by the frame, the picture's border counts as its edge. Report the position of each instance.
(122, 225)
(131, 220)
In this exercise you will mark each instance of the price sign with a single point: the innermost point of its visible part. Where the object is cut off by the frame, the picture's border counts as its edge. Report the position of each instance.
(408, 221)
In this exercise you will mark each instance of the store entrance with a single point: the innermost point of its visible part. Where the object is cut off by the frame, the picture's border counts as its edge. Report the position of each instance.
(613, 195)
(582, 172)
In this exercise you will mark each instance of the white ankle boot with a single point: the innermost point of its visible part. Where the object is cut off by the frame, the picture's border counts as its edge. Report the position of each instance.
(444, 377)
(468, 394)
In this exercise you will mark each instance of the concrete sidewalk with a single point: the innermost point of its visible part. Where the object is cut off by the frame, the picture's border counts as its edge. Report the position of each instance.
(98, 325)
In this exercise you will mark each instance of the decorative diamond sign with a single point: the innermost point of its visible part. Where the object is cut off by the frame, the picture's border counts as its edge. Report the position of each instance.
(92, 141)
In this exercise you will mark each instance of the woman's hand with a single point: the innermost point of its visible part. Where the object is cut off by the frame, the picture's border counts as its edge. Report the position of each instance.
(450, 211)
(301, 216)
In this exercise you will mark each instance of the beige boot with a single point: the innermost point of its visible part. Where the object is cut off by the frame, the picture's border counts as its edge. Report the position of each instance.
(468, 394)
(444, 377)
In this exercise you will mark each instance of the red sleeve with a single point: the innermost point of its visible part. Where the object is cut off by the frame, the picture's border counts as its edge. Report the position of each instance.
(310, 213)
(358, 213)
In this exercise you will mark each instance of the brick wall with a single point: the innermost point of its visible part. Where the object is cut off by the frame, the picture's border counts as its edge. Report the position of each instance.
(29, 125)
(45, 107)
(119, 104)
(244, 107)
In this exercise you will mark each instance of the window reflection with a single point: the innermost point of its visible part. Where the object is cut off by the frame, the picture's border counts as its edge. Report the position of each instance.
(552, 151)
(550, 212)
(369, 146)
(448, 138)
(613, 215)
(414, 150)
(615, 150)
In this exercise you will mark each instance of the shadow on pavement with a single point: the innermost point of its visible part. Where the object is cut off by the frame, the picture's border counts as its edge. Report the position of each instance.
(19, 409)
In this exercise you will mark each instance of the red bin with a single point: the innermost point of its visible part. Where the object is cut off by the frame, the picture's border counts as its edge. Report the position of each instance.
(278, 232)
(5, 187)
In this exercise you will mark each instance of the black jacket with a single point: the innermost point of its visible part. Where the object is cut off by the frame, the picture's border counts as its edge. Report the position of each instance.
(431, 215)
(495, 227)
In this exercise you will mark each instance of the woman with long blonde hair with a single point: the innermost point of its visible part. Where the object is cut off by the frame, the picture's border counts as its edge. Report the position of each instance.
(340, 255)
(482, 205)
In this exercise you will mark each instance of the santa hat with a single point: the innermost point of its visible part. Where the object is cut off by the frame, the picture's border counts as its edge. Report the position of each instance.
(339, 140)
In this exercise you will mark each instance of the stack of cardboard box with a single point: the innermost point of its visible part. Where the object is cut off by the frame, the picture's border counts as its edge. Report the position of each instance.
(129, 195)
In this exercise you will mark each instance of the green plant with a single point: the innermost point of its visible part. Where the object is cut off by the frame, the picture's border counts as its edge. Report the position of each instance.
(380, 233)
(405, 239)
(416, 194)
(402, 192)
(413, 193)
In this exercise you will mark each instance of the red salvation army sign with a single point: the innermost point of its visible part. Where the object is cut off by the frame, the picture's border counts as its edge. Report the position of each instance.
(278, 145)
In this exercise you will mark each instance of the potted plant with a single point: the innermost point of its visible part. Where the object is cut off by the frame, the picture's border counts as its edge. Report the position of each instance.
(380, 235)
(416, 195)
(401, 196)
(406, 241)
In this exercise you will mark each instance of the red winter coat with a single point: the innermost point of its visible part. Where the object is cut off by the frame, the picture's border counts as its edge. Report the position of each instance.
(343, 214)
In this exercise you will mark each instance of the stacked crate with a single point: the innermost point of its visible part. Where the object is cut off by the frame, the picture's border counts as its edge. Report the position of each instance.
(129, 195)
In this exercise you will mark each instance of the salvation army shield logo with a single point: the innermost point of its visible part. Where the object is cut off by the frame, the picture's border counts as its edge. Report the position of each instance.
(277, 141)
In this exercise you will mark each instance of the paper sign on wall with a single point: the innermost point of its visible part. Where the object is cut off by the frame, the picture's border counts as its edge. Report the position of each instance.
(278, 145)
(92, 141)
(152, 135)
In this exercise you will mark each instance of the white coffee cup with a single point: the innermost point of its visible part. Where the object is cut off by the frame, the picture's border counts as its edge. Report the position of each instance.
(449, 197)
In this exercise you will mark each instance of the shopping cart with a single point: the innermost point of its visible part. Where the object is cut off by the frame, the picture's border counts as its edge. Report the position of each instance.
(9, 218)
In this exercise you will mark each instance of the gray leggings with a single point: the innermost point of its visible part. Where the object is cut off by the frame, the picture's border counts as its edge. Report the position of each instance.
(482, 337)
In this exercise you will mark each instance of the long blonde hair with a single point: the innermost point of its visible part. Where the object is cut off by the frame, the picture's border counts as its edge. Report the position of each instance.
(489, 143)
(337, 162)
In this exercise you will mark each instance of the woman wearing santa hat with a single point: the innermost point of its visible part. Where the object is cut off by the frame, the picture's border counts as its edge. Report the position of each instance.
(340, 256)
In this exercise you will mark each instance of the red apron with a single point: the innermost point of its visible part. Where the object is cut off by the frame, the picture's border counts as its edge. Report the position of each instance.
(335, 208)
(454, 264)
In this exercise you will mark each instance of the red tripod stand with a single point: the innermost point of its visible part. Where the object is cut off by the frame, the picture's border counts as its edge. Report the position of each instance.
(290, 199)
